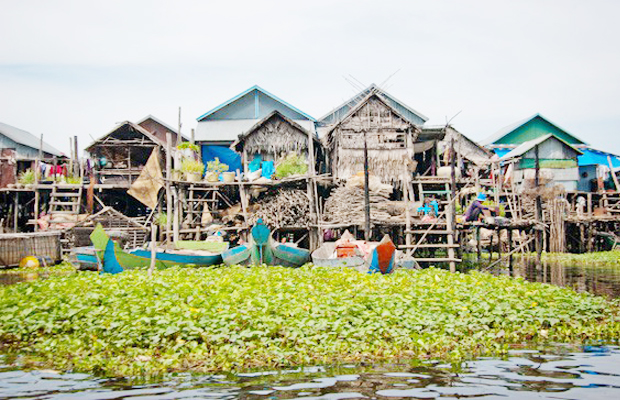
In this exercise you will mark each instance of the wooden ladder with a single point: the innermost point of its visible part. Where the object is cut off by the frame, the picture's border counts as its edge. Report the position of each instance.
(65, 201)
(200, 200)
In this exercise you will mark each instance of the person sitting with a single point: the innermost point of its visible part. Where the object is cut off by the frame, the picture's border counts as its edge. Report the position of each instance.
(476, 208)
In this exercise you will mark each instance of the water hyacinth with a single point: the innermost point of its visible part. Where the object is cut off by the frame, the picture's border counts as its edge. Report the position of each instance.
(234, 318)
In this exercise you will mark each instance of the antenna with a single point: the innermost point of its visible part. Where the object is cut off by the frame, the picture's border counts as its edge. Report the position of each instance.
(388, 78)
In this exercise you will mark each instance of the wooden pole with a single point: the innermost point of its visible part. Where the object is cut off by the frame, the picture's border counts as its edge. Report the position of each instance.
(193, 137)
(539, 237)
(452, 214)
(179, 136)
(16, 211)
(313, 236)
(168, 178)
(176, 211)
(366, 192)
(153, 252)
(76, 164)
(613, 174)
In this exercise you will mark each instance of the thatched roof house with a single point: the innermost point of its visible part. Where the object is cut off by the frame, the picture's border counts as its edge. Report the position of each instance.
(274, 137)
(390, 138)
(123, 152)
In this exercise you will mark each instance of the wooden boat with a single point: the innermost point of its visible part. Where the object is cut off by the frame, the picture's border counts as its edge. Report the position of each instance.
(380, 256)
(115, 260)
(262, 249)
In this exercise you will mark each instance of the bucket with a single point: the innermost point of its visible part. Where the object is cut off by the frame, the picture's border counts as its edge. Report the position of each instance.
(228, 176)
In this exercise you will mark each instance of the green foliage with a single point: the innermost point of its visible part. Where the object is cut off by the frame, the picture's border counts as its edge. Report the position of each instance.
(216, 166)
(293, 164)
(234, 318)
(189, 145)
(190, 165)
(607, 258)
(161, 219)
(26, 177)
(74, 180)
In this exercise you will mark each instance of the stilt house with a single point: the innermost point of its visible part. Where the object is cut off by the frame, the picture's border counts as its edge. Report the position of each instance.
(218, 128)
(592, 163)
(276, 136)
(392, 132)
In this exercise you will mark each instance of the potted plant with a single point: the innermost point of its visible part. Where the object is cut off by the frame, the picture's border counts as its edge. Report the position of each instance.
(27, 178)
(214, 169)
(188, 149)
(193, 169)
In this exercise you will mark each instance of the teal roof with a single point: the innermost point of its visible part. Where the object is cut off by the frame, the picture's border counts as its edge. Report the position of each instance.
(254, 103)
(529, 129)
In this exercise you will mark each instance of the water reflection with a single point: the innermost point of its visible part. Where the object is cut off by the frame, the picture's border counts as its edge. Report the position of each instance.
(548, 373)
(600, 280)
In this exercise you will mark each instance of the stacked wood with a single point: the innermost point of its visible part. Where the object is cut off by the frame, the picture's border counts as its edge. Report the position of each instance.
(346, 206)
(283, 208)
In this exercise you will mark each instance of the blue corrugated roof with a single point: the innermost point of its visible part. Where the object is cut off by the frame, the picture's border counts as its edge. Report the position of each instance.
(254, 88)
(597, 157)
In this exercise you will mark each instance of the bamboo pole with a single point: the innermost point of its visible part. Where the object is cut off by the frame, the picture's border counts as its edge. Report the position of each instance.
(539, 237)
(366, 191)
(153, 251)
(168, 192)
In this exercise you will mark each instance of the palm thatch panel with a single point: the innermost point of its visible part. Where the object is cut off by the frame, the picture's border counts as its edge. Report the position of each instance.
(389, 138)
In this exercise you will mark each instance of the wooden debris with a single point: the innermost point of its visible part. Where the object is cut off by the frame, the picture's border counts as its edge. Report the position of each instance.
(283, 208)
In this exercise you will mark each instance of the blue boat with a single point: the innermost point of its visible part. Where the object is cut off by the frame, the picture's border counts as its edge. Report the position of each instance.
(262, 249)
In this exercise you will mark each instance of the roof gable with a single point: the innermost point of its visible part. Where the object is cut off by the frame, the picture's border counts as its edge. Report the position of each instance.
(25, 138)
(529, 145)
(340, 112)
(254, 103)
(529, 129)
(273, 123)
(127, 130)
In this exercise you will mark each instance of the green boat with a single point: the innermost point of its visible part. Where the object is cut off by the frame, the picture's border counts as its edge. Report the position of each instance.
(115, 260)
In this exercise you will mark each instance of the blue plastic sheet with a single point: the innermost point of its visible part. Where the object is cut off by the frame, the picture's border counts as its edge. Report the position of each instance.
(268, 169)
(225, 155)
(597, 157)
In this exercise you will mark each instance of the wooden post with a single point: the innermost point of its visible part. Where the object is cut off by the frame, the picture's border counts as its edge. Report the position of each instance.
(15, 211)
(168, 191)
(478, 246)
(539, 236)
(176, 211)
(310, 182)
(407, 214)
(613, 174)
(366, 191)
(153, 242)
(452, 213)
(76, 164)
(510, 249)
(193, 137)
(179, 136)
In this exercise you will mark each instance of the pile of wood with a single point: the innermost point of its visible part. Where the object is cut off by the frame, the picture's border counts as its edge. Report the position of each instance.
(285, 207)
(346, 206)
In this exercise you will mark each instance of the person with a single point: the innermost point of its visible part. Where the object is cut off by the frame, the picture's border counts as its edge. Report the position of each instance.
(476, 208)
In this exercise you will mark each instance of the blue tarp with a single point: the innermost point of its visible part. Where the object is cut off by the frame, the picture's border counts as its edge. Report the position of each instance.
(226, 156)
(502, 152)
(597, 157)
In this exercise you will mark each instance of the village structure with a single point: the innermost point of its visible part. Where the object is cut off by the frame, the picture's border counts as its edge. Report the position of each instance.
(371, 166)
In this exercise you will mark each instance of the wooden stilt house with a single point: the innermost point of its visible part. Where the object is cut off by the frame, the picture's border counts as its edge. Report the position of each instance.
(275, 137)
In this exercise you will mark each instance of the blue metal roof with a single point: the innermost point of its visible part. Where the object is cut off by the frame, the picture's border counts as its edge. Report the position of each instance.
(250, 90)
(597, 157)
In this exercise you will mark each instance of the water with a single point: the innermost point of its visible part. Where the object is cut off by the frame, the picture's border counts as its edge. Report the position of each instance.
(602, 280)
(552, 373)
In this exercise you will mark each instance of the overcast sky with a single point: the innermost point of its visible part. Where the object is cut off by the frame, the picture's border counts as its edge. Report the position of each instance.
(80, 67)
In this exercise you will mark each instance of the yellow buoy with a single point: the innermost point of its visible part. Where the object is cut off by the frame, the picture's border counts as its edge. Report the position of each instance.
(29, 262)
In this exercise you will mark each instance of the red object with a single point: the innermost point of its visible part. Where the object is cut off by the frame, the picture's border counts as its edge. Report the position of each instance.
(345, 250)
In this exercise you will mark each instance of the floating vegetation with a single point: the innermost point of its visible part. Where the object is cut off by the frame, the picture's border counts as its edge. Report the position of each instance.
(609, 258)
(237, 318)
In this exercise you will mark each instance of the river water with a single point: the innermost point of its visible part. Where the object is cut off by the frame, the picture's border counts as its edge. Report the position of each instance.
(551, 372)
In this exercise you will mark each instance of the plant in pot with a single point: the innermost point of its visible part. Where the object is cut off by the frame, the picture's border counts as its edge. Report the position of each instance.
(214, 169)
(27, 178)
(193, 169)
(188, 149)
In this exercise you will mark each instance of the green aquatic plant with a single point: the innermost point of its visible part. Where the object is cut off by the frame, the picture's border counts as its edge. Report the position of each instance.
(189, 145)
(232, 318)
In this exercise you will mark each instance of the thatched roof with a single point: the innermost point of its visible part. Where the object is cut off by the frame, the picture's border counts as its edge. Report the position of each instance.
(276, 134)
(129, 134)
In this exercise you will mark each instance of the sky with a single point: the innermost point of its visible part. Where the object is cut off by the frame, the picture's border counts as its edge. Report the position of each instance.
(80, 67)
